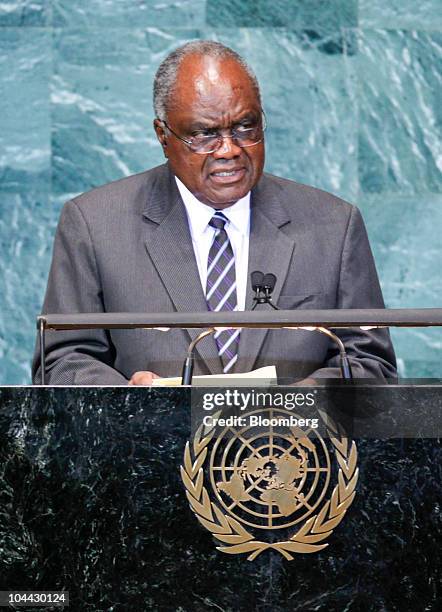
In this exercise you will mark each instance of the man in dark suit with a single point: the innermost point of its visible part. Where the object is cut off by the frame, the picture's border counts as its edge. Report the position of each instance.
(186, 235)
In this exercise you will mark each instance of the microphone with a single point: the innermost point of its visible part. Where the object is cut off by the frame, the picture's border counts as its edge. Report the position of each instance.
(263, 285)
(257, 278)
(269, 282)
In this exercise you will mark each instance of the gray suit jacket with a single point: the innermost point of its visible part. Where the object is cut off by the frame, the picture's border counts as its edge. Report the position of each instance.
(126, 246)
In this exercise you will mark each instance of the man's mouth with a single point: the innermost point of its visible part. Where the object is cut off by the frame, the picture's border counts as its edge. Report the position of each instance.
(228, 176)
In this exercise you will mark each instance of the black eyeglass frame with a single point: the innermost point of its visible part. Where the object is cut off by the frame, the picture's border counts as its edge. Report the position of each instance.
(220, 137)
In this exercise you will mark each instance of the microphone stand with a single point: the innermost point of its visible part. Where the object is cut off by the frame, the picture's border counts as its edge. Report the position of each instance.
(265, 285)
(265, 298)
(187, 375)
(346, 371)
(344, 361)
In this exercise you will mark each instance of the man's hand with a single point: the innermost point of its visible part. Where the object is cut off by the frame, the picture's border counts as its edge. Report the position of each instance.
(143, 378)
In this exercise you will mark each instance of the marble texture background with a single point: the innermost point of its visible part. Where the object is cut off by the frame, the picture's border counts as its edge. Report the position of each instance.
(352, 93)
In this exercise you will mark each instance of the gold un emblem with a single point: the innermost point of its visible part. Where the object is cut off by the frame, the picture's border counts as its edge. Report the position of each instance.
(266, 484)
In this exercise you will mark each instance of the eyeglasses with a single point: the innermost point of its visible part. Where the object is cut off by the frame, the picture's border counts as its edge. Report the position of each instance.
(209, 141)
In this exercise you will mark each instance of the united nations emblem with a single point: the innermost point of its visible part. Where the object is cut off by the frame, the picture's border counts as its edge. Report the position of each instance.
(263, 484)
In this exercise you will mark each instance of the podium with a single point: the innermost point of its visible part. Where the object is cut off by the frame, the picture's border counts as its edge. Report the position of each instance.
(93, 503)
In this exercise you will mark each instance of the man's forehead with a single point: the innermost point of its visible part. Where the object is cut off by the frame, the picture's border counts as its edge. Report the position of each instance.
(204, 75)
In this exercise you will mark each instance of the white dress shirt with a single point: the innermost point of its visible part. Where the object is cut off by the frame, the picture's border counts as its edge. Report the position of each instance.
(237, 228)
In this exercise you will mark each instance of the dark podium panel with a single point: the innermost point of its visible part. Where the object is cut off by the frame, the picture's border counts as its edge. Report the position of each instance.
(91, 501)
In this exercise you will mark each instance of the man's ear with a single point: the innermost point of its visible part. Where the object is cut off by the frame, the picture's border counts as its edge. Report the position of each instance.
(161, 134)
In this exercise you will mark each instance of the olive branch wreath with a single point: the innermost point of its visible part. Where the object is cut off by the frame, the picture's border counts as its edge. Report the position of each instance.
(229, 531)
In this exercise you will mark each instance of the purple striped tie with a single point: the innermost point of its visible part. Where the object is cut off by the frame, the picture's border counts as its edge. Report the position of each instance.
(221, 288)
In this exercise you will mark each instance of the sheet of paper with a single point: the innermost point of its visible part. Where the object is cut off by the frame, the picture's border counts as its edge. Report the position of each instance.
(261, 377)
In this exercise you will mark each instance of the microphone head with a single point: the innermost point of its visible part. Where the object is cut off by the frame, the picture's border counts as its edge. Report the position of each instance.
(257, 280)
(269, 282)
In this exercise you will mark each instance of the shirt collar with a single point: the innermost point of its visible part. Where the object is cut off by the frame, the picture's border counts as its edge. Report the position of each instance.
(199, 214)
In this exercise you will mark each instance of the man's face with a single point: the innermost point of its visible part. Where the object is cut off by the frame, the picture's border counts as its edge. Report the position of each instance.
(212, 94)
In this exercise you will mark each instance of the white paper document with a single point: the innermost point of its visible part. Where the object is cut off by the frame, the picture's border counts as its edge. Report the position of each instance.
(261, 377)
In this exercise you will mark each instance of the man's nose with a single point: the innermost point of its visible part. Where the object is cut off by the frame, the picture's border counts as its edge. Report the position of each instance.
(227, 149)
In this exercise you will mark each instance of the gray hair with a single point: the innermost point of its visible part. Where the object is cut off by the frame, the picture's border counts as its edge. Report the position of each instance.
(166, 76)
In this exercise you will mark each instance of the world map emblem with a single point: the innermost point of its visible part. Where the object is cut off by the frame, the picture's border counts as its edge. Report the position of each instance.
(270, 488)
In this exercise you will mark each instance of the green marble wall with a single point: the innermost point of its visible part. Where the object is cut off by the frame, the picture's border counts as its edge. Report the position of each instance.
(351, 93)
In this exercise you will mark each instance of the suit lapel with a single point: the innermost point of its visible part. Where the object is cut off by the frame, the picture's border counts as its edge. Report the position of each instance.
(270, 250)
(169, 246)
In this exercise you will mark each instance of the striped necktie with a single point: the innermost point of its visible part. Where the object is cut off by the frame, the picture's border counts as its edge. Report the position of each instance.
(221, 288)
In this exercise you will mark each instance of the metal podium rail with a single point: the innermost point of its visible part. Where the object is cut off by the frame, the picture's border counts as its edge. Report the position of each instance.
(271, 319)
